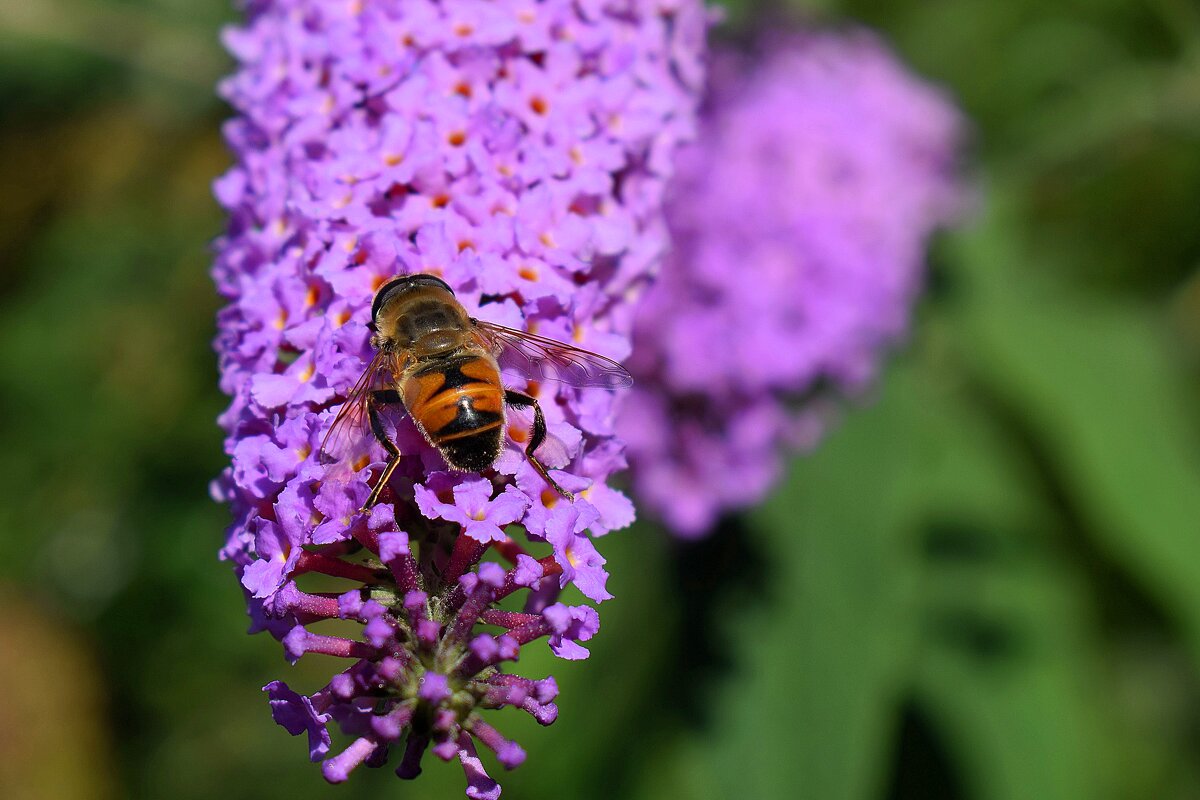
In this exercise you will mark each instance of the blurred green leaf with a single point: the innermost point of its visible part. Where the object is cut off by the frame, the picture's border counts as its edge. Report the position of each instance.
(1100, 386)
(918, 559)
(807, 711)
(1005, 671)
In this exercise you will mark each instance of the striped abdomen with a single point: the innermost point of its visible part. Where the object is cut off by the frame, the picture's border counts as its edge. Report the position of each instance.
(458, 404)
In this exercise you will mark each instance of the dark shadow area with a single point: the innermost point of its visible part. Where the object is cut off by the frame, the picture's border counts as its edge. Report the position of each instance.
(950, 544)
(726, 570)
(922, 768)
(963, 542)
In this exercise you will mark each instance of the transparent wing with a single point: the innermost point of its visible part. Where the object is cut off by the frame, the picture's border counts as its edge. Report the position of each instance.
(541, 359)
(349, 438)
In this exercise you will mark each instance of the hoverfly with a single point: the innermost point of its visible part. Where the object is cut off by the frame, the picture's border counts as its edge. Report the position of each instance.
(443, 368)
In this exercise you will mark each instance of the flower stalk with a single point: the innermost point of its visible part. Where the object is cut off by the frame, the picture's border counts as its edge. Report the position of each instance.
(519, 151)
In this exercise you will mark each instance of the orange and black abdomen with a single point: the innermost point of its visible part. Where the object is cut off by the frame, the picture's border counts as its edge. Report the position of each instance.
(459, 404)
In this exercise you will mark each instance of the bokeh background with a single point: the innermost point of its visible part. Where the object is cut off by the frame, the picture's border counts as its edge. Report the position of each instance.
(984, 585)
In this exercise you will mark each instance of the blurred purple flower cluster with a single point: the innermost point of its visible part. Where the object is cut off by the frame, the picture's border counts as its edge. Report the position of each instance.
(519, 150)
(800, 220)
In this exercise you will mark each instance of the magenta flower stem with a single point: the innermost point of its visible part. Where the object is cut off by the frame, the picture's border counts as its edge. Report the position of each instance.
(311, 562)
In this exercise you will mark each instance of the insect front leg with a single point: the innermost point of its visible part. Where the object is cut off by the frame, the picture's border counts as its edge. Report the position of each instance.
(536, 437)
(376, 399)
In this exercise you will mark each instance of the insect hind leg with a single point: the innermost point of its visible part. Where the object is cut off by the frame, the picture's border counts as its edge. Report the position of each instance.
(376, 399)
(538, 435)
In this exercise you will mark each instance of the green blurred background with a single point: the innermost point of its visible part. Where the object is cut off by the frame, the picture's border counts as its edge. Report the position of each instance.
(985, 585)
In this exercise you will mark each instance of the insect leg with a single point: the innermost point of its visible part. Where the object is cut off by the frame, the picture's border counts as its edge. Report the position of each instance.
(376, 399)
(538, 435)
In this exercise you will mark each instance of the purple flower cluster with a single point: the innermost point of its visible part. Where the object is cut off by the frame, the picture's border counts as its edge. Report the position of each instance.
(800, 220)
(519, 150)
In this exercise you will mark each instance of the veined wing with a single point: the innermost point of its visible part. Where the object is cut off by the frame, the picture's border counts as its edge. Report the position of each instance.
(349, 438)
(542, 359)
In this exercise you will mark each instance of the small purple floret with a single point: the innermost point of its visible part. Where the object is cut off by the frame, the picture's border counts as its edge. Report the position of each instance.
(392, 545)
(338, 768)
(298, 715)
(434, 688)
(480, 786)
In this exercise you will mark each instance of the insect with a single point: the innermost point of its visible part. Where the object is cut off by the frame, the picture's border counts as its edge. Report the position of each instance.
(443, 368)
